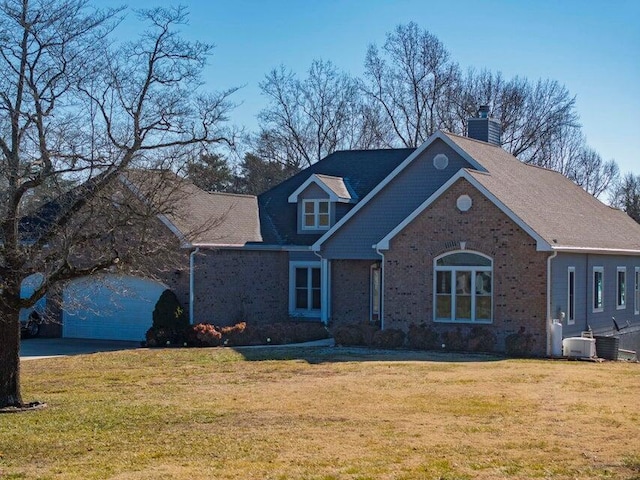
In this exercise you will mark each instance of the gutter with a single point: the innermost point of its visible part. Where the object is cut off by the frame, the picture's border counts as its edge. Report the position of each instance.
(192, 283)
(549, 306)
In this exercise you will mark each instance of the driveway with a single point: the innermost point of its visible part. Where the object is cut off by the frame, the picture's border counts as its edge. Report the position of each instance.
(34, 348)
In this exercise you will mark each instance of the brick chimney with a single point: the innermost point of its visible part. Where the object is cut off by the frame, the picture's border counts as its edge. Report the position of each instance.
(484, 128)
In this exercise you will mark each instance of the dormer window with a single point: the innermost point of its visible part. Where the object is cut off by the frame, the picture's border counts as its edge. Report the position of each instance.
(316, 199)
(316, 215)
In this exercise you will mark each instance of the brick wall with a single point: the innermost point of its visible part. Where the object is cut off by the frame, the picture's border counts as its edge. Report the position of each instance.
(235, 285)
(519, 271)
(350, 291)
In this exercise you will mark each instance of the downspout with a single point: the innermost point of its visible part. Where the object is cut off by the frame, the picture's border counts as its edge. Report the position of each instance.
(381, 287)
(324, 291)
(549, 305)
(192, 282)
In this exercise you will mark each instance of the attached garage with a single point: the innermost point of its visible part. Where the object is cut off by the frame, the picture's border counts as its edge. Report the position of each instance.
(109, 307)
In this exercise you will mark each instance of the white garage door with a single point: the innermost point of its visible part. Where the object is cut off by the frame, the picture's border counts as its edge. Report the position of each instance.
(109, 307)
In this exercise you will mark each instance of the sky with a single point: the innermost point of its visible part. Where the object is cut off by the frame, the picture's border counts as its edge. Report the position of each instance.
(590, 46)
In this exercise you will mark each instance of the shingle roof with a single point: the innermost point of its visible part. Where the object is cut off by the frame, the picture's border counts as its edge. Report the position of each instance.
(360, 171)
(557, 209)
(336, 185)
(200, 218)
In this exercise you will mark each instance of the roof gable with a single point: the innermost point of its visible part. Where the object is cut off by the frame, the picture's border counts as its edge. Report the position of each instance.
(360, 171)
(439, 135)
(334, 187)
(558, 212)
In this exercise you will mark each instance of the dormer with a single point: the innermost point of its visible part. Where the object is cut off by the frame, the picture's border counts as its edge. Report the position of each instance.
(316, 199)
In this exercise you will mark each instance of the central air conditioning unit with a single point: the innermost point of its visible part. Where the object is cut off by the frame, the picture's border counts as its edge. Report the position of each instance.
(579, 347)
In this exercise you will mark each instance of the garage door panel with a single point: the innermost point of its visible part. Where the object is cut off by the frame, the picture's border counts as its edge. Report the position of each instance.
(109, 307)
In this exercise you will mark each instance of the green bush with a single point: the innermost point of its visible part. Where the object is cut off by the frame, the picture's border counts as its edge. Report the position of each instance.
(170, 323)
(168, 313)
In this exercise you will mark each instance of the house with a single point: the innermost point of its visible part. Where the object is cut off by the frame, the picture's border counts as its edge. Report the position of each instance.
(118, 304)
(456, 235)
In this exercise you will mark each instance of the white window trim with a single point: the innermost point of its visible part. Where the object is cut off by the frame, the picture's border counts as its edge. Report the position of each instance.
(636, 293)
(316, 214)
(453, 270)
(623, 305)
(292, 289)
(571, 321)
(593, 287)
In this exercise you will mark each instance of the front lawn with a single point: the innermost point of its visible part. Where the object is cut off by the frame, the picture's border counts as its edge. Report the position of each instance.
(325, 413)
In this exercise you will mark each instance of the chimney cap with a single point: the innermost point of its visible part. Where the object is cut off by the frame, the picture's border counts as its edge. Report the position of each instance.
(483, 111)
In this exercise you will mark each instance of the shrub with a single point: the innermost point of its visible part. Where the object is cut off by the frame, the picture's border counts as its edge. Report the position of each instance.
(159, 337)
(206, 335)
(481, 340)
(170, 323)
(233, 335)
(389, 338)
(423, 337)
(356, 335)
(454, 340)
(519, 344)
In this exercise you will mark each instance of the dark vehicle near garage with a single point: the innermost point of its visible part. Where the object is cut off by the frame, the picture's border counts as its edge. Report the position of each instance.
(30, 325)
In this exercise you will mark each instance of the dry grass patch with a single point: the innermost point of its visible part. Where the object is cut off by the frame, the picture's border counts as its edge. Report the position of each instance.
(322, 414)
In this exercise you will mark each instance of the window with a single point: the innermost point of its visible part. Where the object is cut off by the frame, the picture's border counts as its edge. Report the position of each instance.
(621, 288)
(305, 288)
(463, 288)
(315, 214)
(636, 296)
(598, 289)
(376, 294)
(571, 296)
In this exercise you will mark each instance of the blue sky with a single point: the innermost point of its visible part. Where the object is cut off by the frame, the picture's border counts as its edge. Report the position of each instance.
(590, 46)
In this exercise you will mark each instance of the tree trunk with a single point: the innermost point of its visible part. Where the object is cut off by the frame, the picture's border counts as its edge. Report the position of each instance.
(9, 357)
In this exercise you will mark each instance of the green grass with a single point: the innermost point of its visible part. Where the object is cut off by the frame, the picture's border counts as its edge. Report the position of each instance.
(322, 414)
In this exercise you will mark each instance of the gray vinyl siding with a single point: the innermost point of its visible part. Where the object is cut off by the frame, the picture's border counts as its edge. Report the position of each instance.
(392, 205)
(600, 322)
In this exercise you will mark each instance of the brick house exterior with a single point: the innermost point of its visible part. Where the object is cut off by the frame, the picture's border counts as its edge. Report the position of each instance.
(456, 235)
(367, 236)
(240, 285)
(519, 271)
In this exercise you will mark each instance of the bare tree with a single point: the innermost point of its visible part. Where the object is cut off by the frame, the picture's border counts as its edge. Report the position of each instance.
(626, 195)
(75, 108)
(410, 80)
(311, 118)
(592, 173)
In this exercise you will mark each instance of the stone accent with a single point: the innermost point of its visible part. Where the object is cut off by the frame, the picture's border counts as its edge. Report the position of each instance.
(241, 285)
(350, 291)
(519, 271)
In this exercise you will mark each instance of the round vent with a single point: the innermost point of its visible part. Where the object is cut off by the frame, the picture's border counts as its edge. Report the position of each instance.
(440, 161)
(464, 203)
